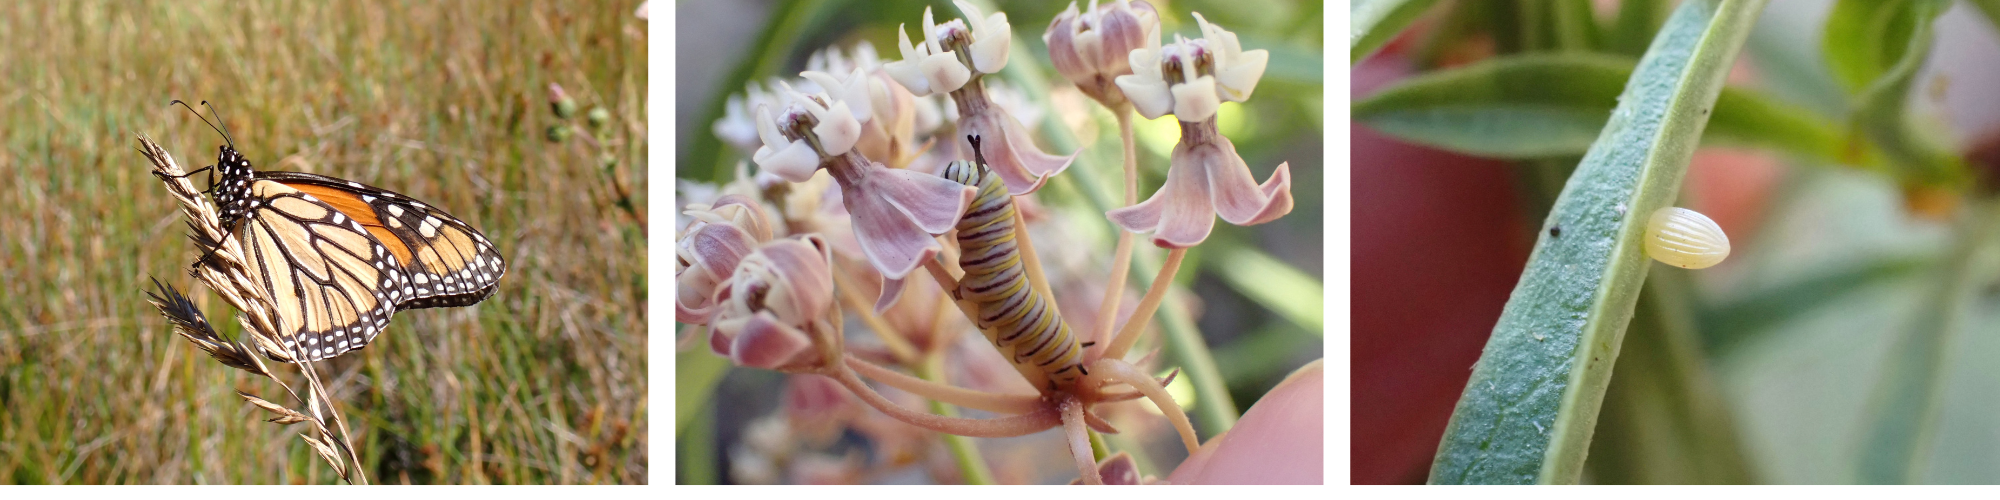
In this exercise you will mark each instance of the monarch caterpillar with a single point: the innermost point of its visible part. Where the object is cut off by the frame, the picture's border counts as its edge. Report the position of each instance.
(337, 258)
(1685, 238)
(997, 282)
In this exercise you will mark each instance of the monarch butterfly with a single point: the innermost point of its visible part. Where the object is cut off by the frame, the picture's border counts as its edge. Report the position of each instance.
(997, 282)
(339, 257)
(1685, 238)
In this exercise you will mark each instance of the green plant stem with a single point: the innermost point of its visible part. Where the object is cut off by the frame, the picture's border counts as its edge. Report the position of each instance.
(1881, 107)
(1121, 261)
(1143, 316)
(899, 347)
(1215, 410)
(963, 450)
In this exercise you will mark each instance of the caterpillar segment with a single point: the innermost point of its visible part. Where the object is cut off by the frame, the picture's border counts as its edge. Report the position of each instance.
(996, 281)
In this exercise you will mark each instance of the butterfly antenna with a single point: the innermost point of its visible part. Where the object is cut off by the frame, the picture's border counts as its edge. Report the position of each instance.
(218, 120)
(211, 125)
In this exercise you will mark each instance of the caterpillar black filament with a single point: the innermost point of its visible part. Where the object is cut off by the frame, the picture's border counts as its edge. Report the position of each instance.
(996, 281)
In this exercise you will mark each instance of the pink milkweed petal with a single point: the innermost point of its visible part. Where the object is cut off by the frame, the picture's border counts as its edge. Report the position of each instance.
(804, 267)
(713, 251)
(759, 223)
(1179, 215)
(934, 203)
(1237, 197)
(1009, 150)
(895, 213)
(765, 342)
(693, 315)
(892, 289)
(719, 342)
(894, 246)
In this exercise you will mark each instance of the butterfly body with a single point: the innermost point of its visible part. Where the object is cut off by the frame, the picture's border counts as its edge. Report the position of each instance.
(339, 257)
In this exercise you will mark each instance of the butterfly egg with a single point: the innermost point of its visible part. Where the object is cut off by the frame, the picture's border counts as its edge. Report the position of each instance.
(1685, 238)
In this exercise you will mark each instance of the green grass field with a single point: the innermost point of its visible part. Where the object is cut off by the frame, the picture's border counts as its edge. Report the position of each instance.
(545, 382)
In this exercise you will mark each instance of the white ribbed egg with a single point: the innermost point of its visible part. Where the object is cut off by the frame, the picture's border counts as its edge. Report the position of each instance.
(1685, 238)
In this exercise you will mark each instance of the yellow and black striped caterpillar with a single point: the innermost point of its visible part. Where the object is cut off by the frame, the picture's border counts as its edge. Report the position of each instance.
(997, 282)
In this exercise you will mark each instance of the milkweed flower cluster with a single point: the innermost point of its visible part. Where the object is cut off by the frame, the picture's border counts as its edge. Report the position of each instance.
(893, 139)
(766, 298)
(1091, 48)
(849, 156)
(775, 304)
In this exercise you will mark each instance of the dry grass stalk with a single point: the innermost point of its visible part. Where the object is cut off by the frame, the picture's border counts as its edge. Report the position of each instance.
(222, 269)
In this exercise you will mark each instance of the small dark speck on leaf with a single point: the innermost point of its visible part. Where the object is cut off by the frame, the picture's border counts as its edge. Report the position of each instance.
(1556, 231)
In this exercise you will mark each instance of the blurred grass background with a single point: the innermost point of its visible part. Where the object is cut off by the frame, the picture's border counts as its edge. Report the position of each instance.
(545, 382)
(1256, 289)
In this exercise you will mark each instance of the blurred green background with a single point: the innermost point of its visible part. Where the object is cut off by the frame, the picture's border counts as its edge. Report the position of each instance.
(544, 382)
(1256, 291)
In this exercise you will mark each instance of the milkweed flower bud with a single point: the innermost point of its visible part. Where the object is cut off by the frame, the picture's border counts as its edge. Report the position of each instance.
(773, 310)
(1191, 78)
(597, 118)
(709, 250)
(560, 102)
(1091, 48)
(734, 209)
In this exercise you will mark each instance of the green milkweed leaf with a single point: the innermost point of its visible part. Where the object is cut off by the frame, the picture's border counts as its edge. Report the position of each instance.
(1552, 105)
(1528, 411)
